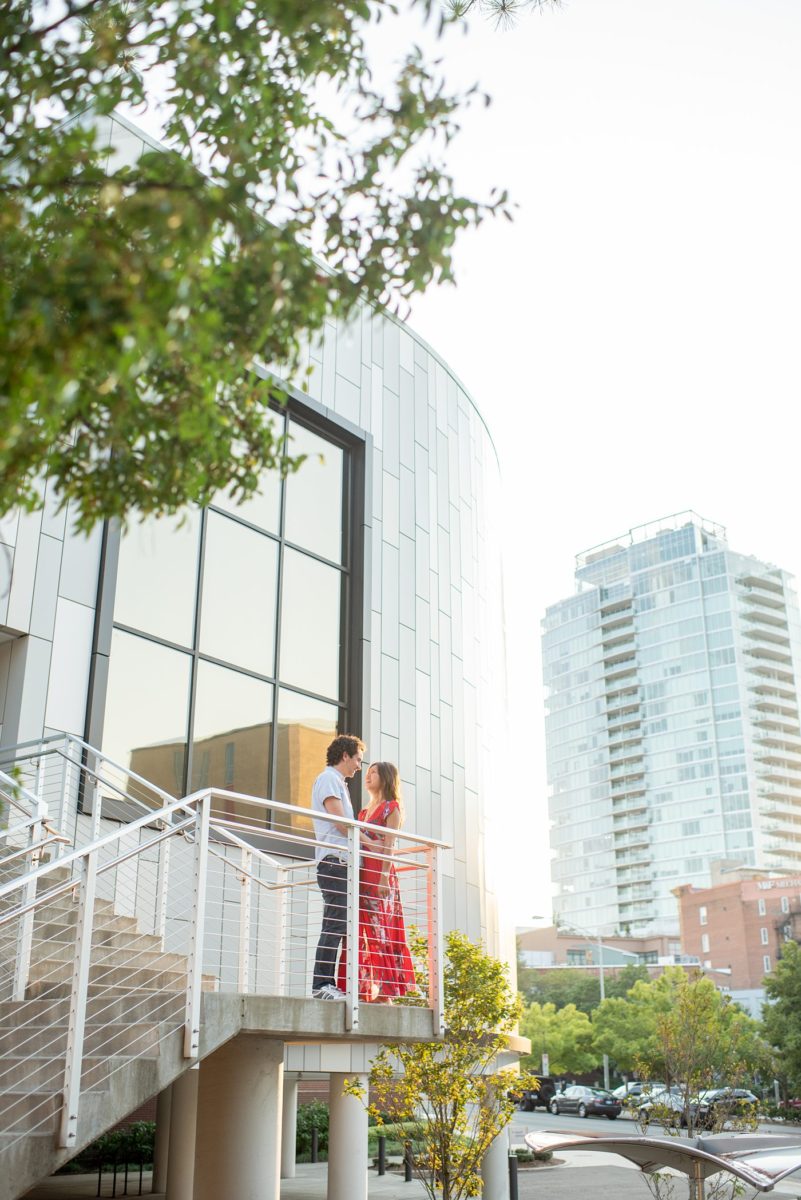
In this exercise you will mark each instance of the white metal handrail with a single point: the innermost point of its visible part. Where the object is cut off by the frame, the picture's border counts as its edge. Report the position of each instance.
(186, 902)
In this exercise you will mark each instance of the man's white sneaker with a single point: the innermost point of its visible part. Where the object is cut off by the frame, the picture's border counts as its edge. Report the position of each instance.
(328, 992)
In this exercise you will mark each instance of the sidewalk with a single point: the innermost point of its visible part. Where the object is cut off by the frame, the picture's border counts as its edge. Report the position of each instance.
(565, 1181)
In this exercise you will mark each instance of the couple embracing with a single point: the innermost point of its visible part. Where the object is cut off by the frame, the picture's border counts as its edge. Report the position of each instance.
(385, 964)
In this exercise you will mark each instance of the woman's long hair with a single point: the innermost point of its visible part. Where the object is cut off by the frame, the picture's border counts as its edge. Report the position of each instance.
(389, 779)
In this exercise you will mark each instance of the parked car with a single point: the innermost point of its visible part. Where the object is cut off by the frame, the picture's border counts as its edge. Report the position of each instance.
(634, 1089)
(667, 1107)
(586, 1101)
(718, 1105)
(530, 1098)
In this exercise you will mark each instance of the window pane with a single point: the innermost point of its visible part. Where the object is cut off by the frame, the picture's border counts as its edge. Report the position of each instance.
(147, 709)
(305, 729)
(232, 735)
(314, 495)
(310, 627)
(157, 577)
(263, 509)
(239, 588)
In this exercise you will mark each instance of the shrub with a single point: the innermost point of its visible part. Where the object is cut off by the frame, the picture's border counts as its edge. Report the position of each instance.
(313, 1115)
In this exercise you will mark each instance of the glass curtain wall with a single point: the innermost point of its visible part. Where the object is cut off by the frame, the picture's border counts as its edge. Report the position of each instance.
(227, 658)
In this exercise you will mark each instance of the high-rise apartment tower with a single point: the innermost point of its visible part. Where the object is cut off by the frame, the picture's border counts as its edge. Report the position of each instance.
(672, 727)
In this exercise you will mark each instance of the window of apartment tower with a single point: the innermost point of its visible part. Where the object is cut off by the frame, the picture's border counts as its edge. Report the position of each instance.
(785, 904)
(705, 943)
(763, 936)
(702, 914)
(228, 663)
(766, 963)
(761, 907)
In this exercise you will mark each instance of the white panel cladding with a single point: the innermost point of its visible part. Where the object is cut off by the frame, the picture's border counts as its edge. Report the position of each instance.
(435, 658)
(69, 672)
(80, 566)
(23, 577)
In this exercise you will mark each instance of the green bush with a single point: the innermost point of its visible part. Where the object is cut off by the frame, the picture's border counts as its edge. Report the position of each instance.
(133, 1145)
(310, 1116)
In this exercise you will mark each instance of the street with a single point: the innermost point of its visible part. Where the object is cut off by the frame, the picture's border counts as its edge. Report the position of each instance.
(621, 1181)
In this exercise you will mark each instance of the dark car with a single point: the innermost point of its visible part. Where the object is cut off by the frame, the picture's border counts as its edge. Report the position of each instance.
(717, 1106)
(585, 1102)
(531, 1098)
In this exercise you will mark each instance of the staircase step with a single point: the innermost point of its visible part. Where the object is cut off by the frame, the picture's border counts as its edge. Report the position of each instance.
(112, 1039)
(51, 980)
(23, 1111)
(47, 1074)
(129, 955)
(60, 943)
(122, 1004)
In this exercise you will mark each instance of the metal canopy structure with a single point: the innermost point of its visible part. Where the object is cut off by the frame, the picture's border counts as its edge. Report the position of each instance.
(761, 1160)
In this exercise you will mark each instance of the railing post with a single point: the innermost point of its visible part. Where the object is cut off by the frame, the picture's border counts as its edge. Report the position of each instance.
(66, 782)
(78, 997)
(282, 938)
(22, 964)
(435, 946)
(197, 924)
(162, 882)
(96, 801)
(244, 922)
(352, 975)
(40, 775)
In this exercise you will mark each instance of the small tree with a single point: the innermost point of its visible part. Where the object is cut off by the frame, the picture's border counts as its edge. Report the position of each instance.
(782, 1018)
(565, 1034)
(454, 1085)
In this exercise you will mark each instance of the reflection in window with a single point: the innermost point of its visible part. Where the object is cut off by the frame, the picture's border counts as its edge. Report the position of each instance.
(232, 736)
(156, 577)
(238, 605)
(263, 509)
(147, 710)
(310, 627)
(314, 495)
(305, 728)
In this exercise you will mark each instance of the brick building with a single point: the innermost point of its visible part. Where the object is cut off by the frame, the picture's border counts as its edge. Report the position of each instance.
(552, 947)
(741, 925)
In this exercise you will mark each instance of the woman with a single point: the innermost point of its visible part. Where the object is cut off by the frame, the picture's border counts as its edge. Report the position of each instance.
(385, 964)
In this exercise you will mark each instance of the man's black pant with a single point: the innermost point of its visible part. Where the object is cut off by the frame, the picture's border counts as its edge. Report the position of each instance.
(332, 880)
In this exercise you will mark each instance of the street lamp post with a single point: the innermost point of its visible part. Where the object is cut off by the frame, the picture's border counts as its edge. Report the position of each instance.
(597, 937)
(603, 997)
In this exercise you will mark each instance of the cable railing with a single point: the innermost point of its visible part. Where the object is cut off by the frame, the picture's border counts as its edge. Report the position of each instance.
(107, 947)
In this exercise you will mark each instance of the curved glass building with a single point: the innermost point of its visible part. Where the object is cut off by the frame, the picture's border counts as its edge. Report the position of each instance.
(362, 594)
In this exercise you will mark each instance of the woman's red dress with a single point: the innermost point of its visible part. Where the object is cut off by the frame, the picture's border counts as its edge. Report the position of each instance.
(385, 963)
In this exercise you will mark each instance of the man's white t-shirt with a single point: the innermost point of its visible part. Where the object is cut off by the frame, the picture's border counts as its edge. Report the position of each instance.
(329, 783)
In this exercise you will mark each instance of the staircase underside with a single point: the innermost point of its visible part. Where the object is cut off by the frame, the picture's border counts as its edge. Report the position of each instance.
(286, 1019)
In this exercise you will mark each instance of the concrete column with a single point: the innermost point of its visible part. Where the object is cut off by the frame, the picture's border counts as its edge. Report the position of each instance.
(347, 1140)
(239, 1120)
(495, 1169)
(289, 1127)
(161, 1150)
(183, 1122)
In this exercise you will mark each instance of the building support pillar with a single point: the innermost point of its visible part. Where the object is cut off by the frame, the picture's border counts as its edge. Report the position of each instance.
(347, 1139)
(183, 1123)
(239, 1120)
(161, 1150)
(495, 1169)
(289, 1127)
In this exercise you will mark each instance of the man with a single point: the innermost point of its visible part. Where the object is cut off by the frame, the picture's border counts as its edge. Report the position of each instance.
(331, 799)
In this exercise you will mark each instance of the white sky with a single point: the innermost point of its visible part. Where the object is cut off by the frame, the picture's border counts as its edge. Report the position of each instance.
(633, 338)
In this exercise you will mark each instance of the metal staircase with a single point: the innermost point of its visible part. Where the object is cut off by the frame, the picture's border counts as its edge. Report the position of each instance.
(127, 918)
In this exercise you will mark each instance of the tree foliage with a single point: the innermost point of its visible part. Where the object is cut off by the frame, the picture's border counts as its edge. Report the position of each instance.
(782, 1017)
(455, 1083)
(565, 1034)
(581, 988)
(137, 296)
